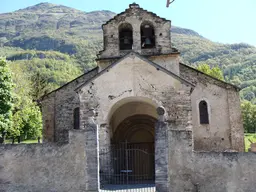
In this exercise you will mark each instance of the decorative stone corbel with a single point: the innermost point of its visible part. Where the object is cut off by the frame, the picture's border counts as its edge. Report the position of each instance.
(161, 111)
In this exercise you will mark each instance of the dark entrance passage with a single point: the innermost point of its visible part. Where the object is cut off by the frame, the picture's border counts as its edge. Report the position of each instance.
(130, 160)
(128, 164)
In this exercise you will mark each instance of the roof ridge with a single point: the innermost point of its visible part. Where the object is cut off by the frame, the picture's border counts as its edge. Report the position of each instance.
(134, 6)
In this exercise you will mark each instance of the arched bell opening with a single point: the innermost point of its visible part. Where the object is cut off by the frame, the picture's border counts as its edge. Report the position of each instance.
(125, 36)
(147, 35)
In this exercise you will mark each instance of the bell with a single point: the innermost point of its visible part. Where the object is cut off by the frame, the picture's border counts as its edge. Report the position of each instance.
(126, 40)
(147, 41)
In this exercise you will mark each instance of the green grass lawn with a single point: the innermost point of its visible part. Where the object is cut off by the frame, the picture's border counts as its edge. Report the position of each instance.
(250, 136)
(26, 141)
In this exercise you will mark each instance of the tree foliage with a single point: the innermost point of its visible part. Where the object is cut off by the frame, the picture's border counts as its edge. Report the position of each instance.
(214, 72)
(249, 116)
(27, 120)
(6, 98)
(39, 86)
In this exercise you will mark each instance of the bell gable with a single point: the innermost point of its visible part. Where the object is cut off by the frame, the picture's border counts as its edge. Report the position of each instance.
(136, 30)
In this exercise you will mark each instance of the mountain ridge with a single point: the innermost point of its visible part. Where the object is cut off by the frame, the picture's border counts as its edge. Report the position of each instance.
(46, 7)
(41, 7)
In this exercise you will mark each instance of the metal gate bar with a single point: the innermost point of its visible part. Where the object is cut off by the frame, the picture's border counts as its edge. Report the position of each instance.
(127, 167)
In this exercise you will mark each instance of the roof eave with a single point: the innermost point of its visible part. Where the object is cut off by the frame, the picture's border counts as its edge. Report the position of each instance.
(224, 82)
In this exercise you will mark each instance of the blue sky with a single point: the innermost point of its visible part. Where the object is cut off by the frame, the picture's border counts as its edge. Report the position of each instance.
(225, 21)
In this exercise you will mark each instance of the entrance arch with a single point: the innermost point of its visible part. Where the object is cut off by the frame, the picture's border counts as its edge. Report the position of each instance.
(133, 120)
(132, 154)
(136, 138)
(135, 129)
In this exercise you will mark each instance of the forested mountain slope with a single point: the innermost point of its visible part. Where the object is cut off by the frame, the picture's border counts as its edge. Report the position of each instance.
(62, 42)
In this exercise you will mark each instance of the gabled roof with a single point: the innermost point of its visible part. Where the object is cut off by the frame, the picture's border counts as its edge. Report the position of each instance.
(134, 6)
(158, 67)
(209, 76)
(66, 84)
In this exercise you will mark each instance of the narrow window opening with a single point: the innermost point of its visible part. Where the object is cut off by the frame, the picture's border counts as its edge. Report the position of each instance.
(203, 111)
(147, 36)
(76, 118)
(125, 36)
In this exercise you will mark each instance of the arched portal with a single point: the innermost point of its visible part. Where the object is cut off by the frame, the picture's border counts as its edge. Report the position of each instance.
(135, 129)
(133, 138)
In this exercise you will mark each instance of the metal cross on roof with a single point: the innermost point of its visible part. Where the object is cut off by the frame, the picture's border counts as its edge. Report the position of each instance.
(169, 2)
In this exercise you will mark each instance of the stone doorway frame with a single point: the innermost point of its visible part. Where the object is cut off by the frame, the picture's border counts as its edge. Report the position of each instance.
(161, 152)
(161, 141)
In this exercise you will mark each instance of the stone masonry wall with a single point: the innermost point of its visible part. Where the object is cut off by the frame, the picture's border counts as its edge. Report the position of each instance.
(235, 115)
(48, 112)
(169, 62)
(208, 171)
(45, 167)
(225, 128)
(136, 16)
(58, 109)
(134, 78)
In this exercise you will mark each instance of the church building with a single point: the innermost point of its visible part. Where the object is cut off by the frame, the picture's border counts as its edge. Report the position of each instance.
(138, 98)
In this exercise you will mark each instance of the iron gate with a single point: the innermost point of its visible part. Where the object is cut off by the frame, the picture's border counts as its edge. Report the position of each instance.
(127, 167)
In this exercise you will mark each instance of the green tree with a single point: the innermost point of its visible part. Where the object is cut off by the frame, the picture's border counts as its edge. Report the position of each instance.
(39, 86)
(27, 120)
(214, 72)
(249, 116)
(6, 99)
(236, 81)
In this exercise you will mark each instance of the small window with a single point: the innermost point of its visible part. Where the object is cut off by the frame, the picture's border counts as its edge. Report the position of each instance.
(203, 111)
(147, 35)
(125, 36)
(76, 118)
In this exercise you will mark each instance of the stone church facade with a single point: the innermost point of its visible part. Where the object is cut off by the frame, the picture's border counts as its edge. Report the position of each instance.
(143, 76)
(139, 112)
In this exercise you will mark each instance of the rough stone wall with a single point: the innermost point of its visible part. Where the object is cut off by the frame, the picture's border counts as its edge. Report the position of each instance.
(208, 171)
(135, 16)
(180, 162)
(58, 109)
(45, 167)
(236, 124)
(169, 62)
(225, 128)
(48, 111)
(231, 171)
(134, 78)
